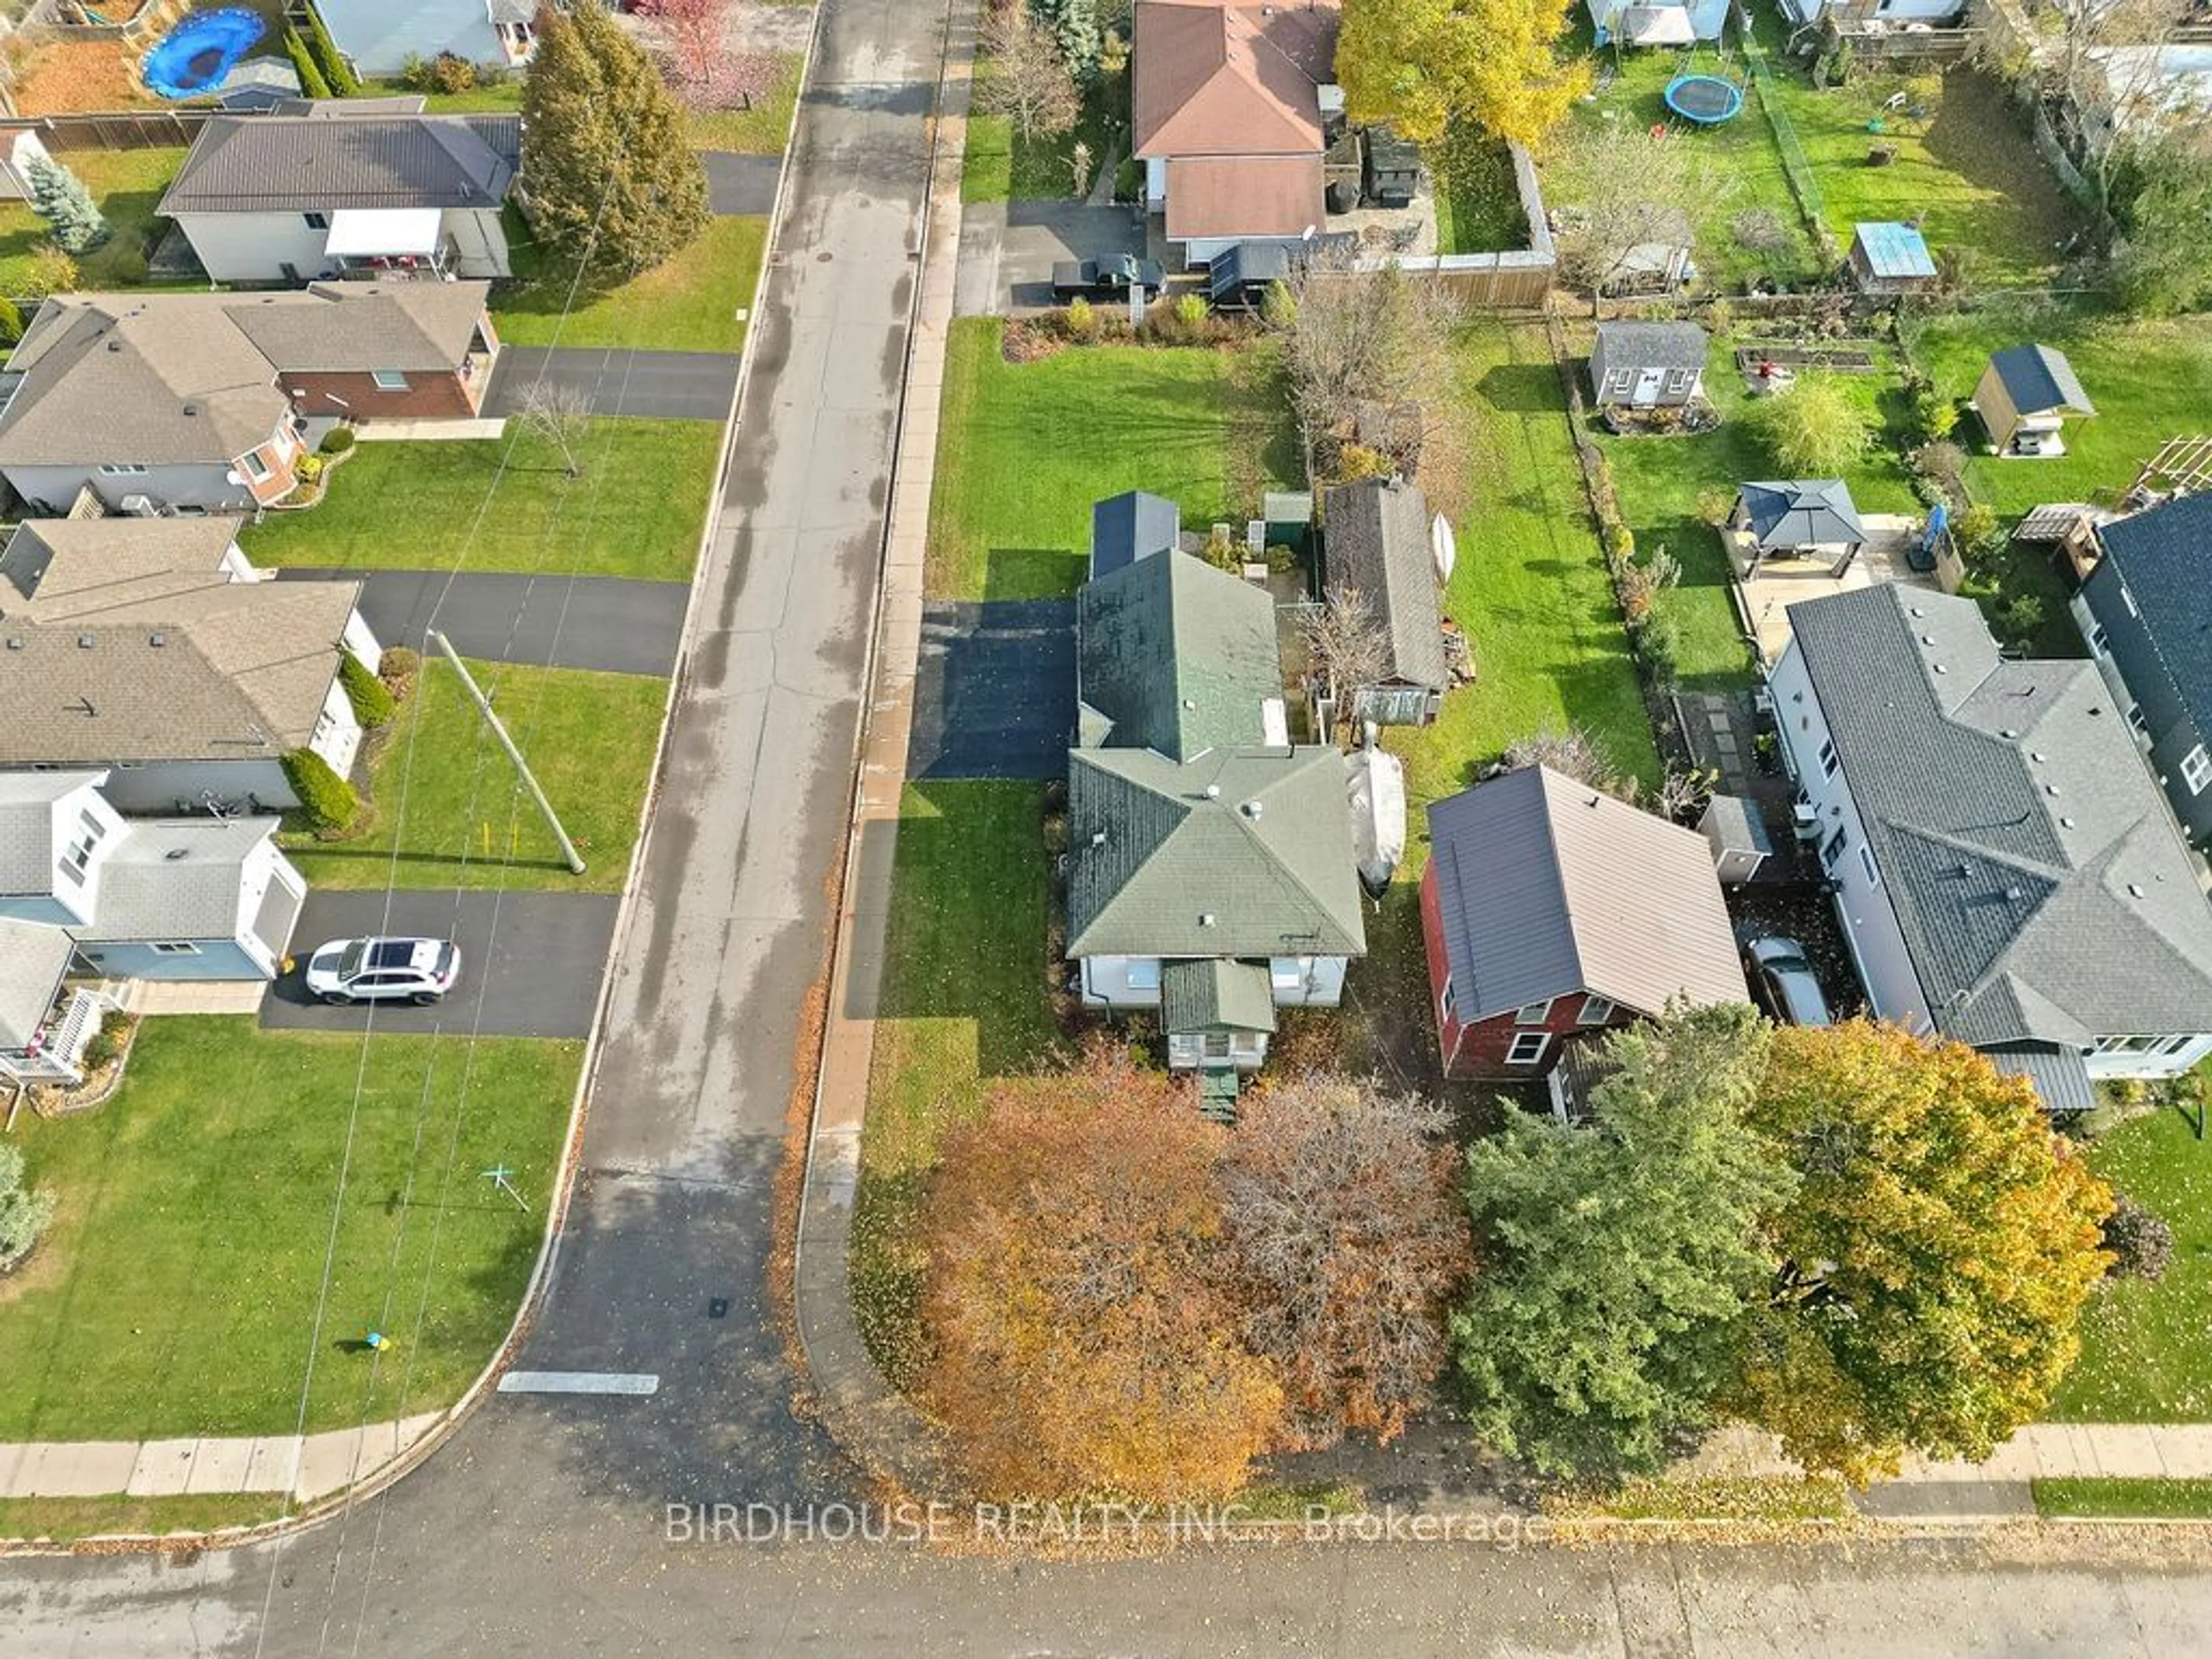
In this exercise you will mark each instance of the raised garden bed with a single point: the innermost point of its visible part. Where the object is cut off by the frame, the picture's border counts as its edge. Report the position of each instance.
(1837, 360)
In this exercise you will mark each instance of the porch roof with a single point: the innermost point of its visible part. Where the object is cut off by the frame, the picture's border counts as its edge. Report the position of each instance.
(33, 958)
(1216, 995)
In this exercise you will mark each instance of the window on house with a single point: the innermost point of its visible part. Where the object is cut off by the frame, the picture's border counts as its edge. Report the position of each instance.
(317, 221)
(2100, 641)
(1245, 1043)
(2196, 769)
(389, 379)
(253, 467)
(1143, 974)
(1528, 1048)
(1596, 1010)
(1829, 759)
(1866, 863)
(123, 470)
(1289, 973)
(175, 947)
(1216, 1046)
(2138, 1045)
(1678, 380)
(1834, 850)
(94, 830)
(1444, 999)
(2136, 719)
(1533, 1014)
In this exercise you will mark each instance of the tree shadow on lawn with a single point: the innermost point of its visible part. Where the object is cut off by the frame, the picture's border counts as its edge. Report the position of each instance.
(1977, 135)
(1032, 573)
(1521, 388)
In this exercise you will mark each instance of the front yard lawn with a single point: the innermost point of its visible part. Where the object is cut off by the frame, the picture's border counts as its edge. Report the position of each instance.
(178, 1291)
(2146, 1349)
(589, 738)
(1026, 448)
(690, 303)
(1000, 164)
(637, 511)
(127, 184)
(963, 1000)
(2150, 379)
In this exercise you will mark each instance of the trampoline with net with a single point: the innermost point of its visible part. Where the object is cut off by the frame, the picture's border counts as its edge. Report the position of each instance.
(1707, 99)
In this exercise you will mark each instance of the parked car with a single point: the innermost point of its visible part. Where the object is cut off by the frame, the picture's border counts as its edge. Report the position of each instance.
(1105, 279)
(1785, 983)
(418, 971)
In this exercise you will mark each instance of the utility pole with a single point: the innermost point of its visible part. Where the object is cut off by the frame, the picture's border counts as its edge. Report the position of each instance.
(575, 859)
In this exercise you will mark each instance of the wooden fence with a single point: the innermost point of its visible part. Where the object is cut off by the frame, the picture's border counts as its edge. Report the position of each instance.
(1513, 279)
(148, 129)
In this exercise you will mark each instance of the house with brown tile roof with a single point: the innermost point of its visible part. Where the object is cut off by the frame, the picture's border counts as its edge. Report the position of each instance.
(204, 402)
(1230, 103)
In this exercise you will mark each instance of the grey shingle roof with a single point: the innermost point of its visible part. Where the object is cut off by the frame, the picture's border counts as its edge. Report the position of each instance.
(176, 879)
(33, 958)
(2165, 557)
(1130, 526)
(1647, 345)
(1377, 541)
(1240, 853)
(2041, 886)
(154, 378)
(1213, 994)
(1802, 513)
(1546, 887)
(287, 163)
(127, 641)
(2038, 379)
(1176, 656)
(27, 826)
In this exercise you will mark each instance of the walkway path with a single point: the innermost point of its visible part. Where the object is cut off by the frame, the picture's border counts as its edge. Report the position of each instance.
(308, 1467)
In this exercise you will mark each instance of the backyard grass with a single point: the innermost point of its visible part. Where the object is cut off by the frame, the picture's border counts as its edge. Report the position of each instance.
(690, 303)
(1027, 447)
(1478, 201)
(2150, 380)
(468, 822)
(127, 184)
(1658, 481)
(2124, 1500)
(2146, 1349)
(637, 510)
(761, 128)
(963, 1001)
(177, 1292)
(501, 96)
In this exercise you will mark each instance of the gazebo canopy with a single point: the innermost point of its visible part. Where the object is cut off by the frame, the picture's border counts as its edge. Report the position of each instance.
(1802, 513)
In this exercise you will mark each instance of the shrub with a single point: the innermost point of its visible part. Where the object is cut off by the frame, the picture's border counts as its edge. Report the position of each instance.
(371, 700)
(2142, 1244)
(337, 73)
(1082, 319)
(2022, 618)
(327, 801)
(52, 272)
(24, 1212)
(337, 440)
(398, 668)
(1357, 461)
(11, 321)
(312, 82)
(1222, 550)
(1659, 643)
(450, 72)
(1620, 546)
(108, 1043)
(1714, 507)
(1941, 464)
(1191, 311)
(307, 468)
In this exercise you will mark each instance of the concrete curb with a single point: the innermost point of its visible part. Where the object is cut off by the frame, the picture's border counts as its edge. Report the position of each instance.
(407, 1457)
(874, 1423)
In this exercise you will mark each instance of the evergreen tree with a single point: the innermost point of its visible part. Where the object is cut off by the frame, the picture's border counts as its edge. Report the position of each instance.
(58, 197)
(609, 165)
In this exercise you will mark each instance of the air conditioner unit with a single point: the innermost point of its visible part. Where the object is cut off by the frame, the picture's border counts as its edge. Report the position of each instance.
(140, 506)
(1805, 821)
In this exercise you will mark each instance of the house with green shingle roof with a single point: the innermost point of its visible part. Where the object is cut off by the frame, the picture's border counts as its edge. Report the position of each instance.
(1211, 868)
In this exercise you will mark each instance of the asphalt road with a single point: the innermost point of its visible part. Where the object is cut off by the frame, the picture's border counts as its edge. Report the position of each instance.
(741, 183)
(995, 691)
(683, 386)
(529, 961)
(606, 623)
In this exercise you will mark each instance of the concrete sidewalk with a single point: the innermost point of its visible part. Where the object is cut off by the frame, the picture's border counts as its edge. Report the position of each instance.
(307, 1467)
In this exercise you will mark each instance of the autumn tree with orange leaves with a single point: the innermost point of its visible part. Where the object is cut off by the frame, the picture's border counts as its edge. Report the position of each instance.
(1936, 1253)
(1349, 1239)
(1084, 1342)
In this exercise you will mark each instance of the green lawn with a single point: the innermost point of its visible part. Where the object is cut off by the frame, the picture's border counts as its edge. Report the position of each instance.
(500, 97)
(2124, 1500)
(65, 1520)
(1000, 164)
(963, 1001)
(2146, 1349)
(1658, 481)
(760, 130)
(690, 303)
(588, 736)
(177, 1293)
(127, 184)
(637, 510)
(2150, 379)
(1026, 448)
(1478, 201)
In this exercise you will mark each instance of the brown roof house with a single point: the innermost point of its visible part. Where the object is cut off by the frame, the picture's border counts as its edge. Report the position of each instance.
(1552, 912)
(204, 402)
(1231, 104)
(150, 650)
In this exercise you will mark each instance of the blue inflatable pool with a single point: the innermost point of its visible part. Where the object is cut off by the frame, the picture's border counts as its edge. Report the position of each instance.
(194, 57)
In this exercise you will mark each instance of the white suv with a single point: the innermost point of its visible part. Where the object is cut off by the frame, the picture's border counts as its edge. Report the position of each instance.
(419, 970)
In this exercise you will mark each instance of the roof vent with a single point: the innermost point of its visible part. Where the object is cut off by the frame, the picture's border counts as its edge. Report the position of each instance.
(2065, 824)
(15, 641)
(157, 639)
(2036, 754)
(84, 641)
(115, 345)
(1207, 919)
(1098, 838)
(2134, 890)
(1213, 792)
(1916, 610)
(1927, 639)
(2049, 788)
(2008, 734)
(1251, 809)
(2014, 895)
(176, 853)
(1941, 669)
(192, 409)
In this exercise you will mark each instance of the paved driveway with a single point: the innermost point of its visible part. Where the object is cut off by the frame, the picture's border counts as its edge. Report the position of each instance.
(558, 622)
(680, 386)
(741, 183)
(529, 961)
(1008, 249)
(994, 692)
